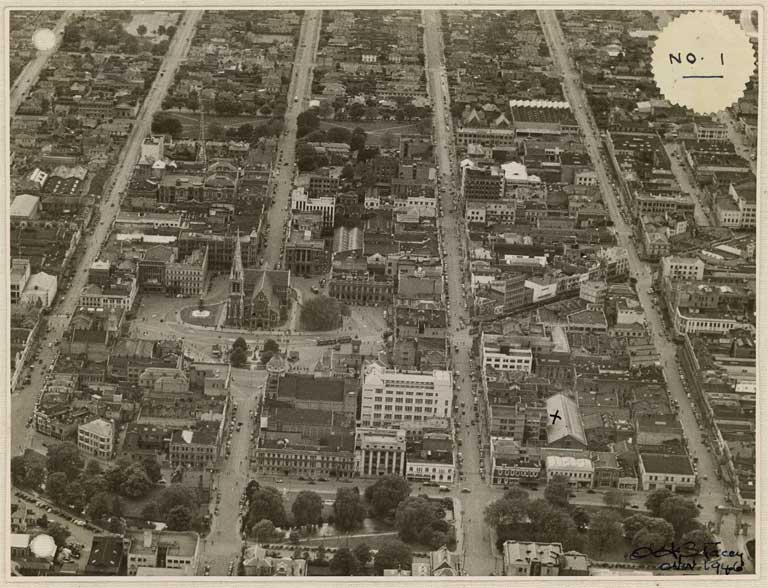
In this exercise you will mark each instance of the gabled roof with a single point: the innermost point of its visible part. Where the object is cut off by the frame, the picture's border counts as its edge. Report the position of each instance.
(568, 425)
(23, 205)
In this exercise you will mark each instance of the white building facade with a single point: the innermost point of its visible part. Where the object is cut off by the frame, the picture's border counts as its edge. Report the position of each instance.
(97, 438)
(379, 452)
(391, 395)
(579, 471)
(506, 356)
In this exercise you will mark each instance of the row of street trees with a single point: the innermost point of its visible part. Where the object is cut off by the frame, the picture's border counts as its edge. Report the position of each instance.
(100, 492)
(418, 519)
(672, 517)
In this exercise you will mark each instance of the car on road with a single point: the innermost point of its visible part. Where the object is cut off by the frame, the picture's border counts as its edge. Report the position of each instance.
(466, 490)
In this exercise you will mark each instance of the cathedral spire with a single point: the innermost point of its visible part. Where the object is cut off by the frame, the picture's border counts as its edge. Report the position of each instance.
(236, 273)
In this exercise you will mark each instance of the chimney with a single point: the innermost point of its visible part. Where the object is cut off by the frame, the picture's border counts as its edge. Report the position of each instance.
(147, 538)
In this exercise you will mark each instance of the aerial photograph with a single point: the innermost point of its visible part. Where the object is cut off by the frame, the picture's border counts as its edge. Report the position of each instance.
(323, 293)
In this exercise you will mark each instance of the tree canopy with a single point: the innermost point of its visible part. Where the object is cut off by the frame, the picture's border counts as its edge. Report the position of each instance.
(362, 553)
(55, 485)
(179, 518)
(605, 530)
(59, 533)
(655, 499)
(421, 520)
(103, 505)
(307, 509)
(511, 509)
(385, 495)
(344, 562)
(393, 555)
(557, 490)
(263, 531)
(166, 124)
(348, 509)
(681, 513)
(66, 458)
(26, 473)
(238, 357)
(306, 122)
(266, 502)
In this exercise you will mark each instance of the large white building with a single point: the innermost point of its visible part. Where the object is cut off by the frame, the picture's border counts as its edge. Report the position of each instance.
(391, 395)
(739, 209)
(379, 452)
(325, 205)
(682, 268)
(504, 355)
(40, 288)
(706, 323)
(97, 438)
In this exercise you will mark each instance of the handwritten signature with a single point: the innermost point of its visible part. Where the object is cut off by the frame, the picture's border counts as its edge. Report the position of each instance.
(689, 556)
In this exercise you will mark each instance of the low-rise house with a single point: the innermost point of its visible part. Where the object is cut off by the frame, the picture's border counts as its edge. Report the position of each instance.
(525, 558)
(256, 562)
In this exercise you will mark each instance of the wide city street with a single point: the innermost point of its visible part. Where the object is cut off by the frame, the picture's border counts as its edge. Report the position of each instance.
(283, 173)
(223, 543)
(477, 543)
(23, 403)
(712, 492)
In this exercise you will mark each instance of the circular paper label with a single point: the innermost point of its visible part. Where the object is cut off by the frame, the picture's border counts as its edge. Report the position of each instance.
(44, 39)
(702, 61)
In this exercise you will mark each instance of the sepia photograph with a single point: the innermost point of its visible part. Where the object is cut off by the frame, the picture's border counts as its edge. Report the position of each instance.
(319, 292)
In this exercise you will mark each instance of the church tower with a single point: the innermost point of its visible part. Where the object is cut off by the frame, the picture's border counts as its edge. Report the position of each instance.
(236, 287)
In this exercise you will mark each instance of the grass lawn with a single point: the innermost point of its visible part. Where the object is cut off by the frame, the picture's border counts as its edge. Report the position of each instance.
(190, 122)
(378, 129)
(372, 541)
(209, 321)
